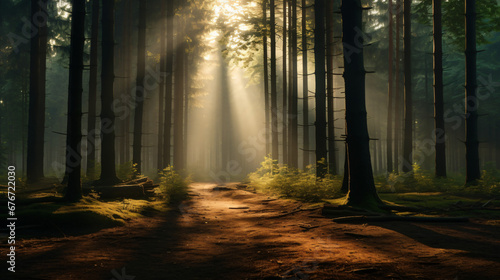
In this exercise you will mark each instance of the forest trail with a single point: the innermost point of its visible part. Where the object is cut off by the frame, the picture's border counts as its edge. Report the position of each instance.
(236, 234)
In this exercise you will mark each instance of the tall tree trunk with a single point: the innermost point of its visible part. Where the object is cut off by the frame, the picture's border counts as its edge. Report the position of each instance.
(140, 90)
(43, 69)
(75, 90)
(225, 121)
(274, 93)
(305, 88)
(471, 139)
(108, 165)
(179, 100)
(266, 76)
(293, 148)
(408, 126)
(91, 119)
(332, 166)
(186, 104)
(161, 92)
(390, 96)
(36, 119)
(397, 98)
(361, 185)
(285, 87)
(439, 129)
(319, 55)
(128, 79)
(168, 85)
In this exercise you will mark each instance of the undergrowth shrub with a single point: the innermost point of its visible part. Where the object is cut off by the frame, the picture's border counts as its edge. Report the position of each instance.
(294, 183)
(424, 181)
(92, 176)
(126, 171)
(172, 185)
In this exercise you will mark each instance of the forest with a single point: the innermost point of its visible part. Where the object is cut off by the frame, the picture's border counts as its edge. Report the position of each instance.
(250, 139)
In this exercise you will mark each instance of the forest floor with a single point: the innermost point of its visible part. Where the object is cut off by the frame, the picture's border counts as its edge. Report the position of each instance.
(236, 234)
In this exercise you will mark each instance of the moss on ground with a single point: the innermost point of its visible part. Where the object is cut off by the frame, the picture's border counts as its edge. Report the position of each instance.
(86, 216)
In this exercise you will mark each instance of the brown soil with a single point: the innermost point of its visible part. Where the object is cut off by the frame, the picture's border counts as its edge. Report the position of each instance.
(215, 236)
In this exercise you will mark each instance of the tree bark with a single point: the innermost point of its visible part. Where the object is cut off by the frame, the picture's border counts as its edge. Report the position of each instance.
(179, 100)
(408, 123)
(397, 98)
(168, 85)
(128, 77)
(439, 128)
(332, 161)
(274, 98)
(186, 104)
(140, 92)
(285, 87)
(108, 165)
(473, 174)
(305, 88)
(75, 90)
(161, 90)
(361, 184)
(36, 118)
(293, 148)
(390, 96)
(266, 76)
(319, 55)
(91, 119)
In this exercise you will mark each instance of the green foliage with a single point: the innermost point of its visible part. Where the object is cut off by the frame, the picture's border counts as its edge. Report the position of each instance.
(425, 181)
(294, 183)
(490, 179)
(126, 171)
(488, 19)
(93, 175)
(172, 185)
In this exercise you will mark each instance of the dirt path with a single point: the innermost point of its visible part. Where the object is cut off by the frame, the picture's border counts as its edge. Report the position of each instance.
(207, 239)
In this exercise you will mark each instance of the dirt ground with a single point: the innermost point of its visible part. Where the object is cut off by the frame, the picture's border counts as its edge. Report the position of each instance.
(236, 234)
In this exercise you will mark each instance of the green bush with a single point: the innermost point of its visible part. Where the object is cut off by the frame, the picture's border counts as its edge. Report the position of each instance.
(172, 185)
(126, 171)
(294, 183)
(93, 175)
(424, 181)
